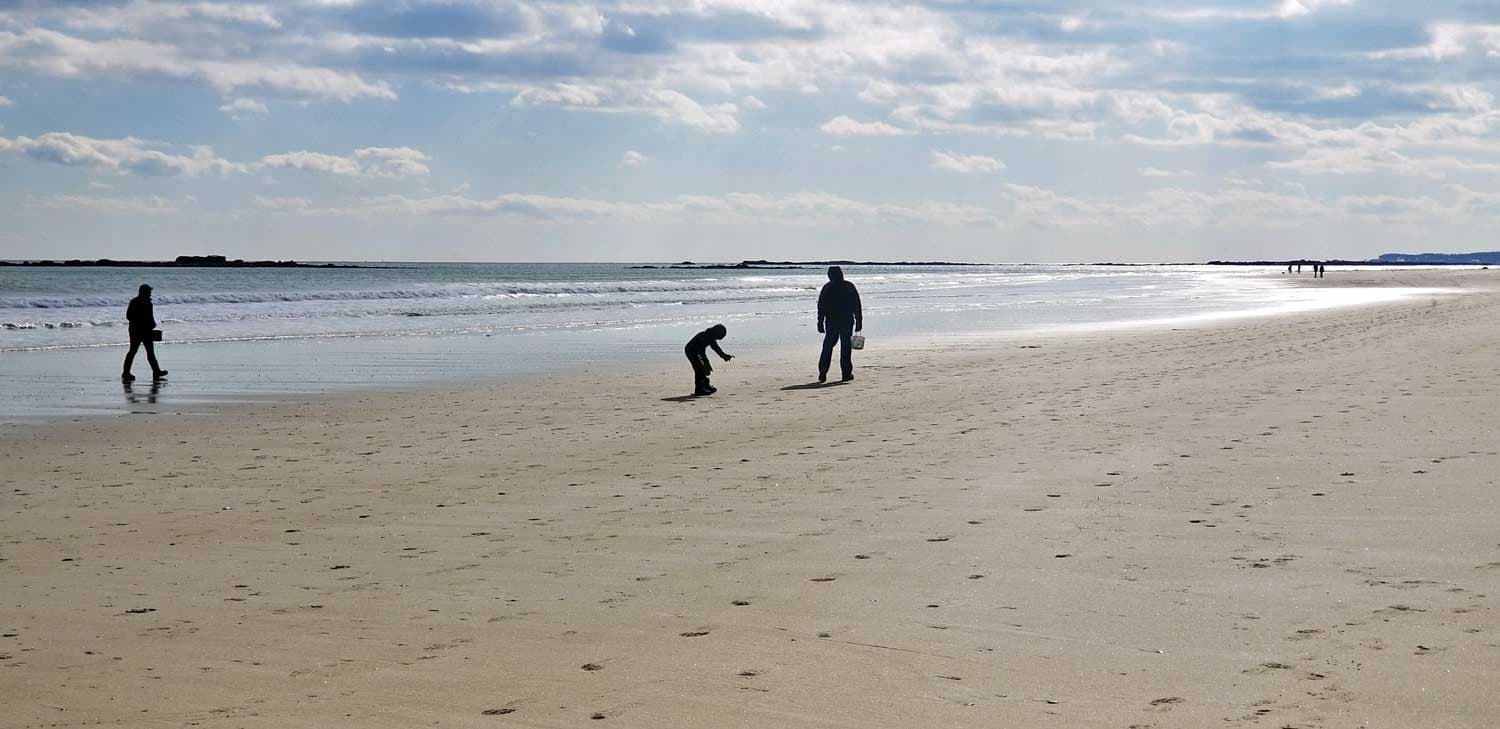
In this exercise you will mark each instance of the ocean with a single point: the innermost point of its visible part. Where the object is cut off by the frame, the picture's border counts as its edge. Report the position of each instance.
(245, 333)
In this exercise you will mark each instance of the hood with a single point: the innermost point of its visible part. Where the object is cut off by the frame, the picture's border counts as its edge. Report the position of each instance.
(835, 274)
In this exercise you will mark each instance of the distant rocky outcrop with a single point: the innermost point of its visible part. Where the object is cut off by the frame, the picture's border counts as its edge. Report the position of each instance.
(181, 262)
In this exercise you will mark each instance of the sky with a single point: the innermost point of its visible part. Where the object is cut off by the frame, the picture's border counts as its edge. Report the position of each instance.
(665, 130)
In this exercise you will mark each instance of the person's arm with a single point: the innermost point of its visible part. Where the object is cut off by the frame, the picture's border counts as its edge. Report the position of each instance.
(822, 307)
(720, 352)
(859, 313)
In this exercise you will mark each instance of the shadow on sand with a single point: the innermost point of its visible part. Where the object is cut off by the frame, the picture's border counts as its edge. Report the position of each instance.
(814, 385)
(681, 398)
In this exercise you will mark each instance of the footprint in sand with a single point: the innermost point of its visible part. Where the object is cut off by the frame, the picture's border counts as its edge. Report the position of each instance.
(695, 633)
(497, 712)
(1268, 667)
(824, 579)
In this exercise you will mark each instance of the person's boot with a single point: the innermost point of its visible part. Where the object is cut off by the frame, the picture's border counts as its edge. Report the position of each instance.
(847, 377)
(127, 377)
(160, 375)
(822, 377)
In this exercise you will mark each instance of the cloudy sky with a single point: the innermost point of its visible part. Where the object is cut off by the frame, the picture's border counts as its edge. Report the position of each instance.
(990, 130)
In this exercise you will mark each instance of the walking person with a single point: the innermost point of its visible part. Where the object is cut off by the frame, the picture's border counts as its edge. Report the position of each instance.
(142, 321)
(839, 317)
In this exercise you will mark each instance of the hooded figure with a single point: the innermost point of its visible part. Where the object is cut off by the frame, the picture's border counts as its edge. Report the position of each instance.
(697, 354)
(839, 317)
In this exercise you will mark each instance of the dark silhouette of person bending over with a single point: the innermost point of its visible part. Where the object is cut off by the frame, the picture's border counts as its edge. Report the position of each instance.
(142, 321)
(697, 354)
(839, 317)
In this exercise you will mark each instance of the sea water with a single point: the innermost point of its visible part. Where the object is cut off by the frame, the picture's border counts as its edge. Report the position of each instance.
(232, 333)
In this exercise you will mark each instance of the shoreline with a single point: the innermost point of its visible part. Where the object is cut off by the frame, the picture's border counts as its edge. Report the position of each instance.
(195, 389)
(1247, 524)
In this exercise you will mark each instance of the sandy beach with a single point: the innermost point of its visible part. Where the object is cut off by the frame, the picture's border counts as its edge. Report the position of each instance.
(1274, 522)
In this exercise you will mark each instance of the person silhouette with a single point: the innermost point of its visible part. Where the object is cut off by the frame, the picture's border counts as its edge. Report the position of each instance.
(697, 354)
(839, 316)
(142, 321)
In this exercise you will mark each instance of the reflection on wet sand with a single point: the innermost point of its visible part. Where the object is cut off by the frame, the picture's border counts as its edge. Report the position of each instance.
(148, 397)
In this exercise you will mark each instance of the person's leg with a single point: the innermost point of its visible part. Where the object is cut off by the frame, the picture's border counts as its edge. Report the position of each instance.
(830, 336)
(846, 358)
(697, 372)
(700, 375)
(130, 356)
(151, 356)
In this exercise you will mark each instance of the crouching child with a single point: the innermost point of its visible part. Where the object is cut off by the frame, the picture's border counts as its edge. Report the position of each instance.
(697, 354)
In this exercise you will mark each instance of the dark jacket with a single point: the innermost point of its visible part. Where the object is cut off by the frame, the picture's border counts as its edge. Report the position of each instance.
(140, 315)
(838, 303)
(701, 341)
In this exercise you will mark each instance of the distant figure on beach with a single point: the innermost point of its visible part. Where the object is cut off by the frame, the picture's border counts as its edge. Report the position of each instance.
(1299, 267)
(697, 353)
(142, 321)
(1322, 269)
(1288, 268)
(839, 317)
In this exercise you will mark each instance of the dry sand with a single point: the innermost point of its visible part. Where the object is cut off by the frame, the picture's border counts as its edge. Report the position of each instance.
(1281, 522)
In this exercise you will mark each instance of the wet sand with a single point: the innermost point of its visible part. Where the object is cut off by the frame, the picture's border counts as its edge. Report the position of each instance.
(1284, 522)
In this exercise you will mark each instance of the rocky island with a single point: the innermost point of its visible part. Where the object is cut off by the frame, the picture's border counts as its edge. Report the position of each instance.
(180, 262)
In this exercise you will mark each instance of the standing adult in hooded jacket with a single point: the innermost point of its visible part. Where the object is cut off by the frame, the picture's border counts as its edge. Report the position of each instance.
(839, 317)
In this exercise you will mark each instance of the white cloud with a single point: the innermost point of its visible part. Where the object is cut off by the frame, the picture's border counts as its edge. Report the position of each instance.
(140, 157)
(1155, 172)
(666, 105)
(120, 156)
(144, 15)
(144, 205)
(4, 102)
(371, 162)
(1295, 8)
(1272, 9)
(964, 163)
(1448, 40)
(244, 106)
(49, 52)
(843, 126)
(282, 204)
(632, 158)
(1385, 162)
